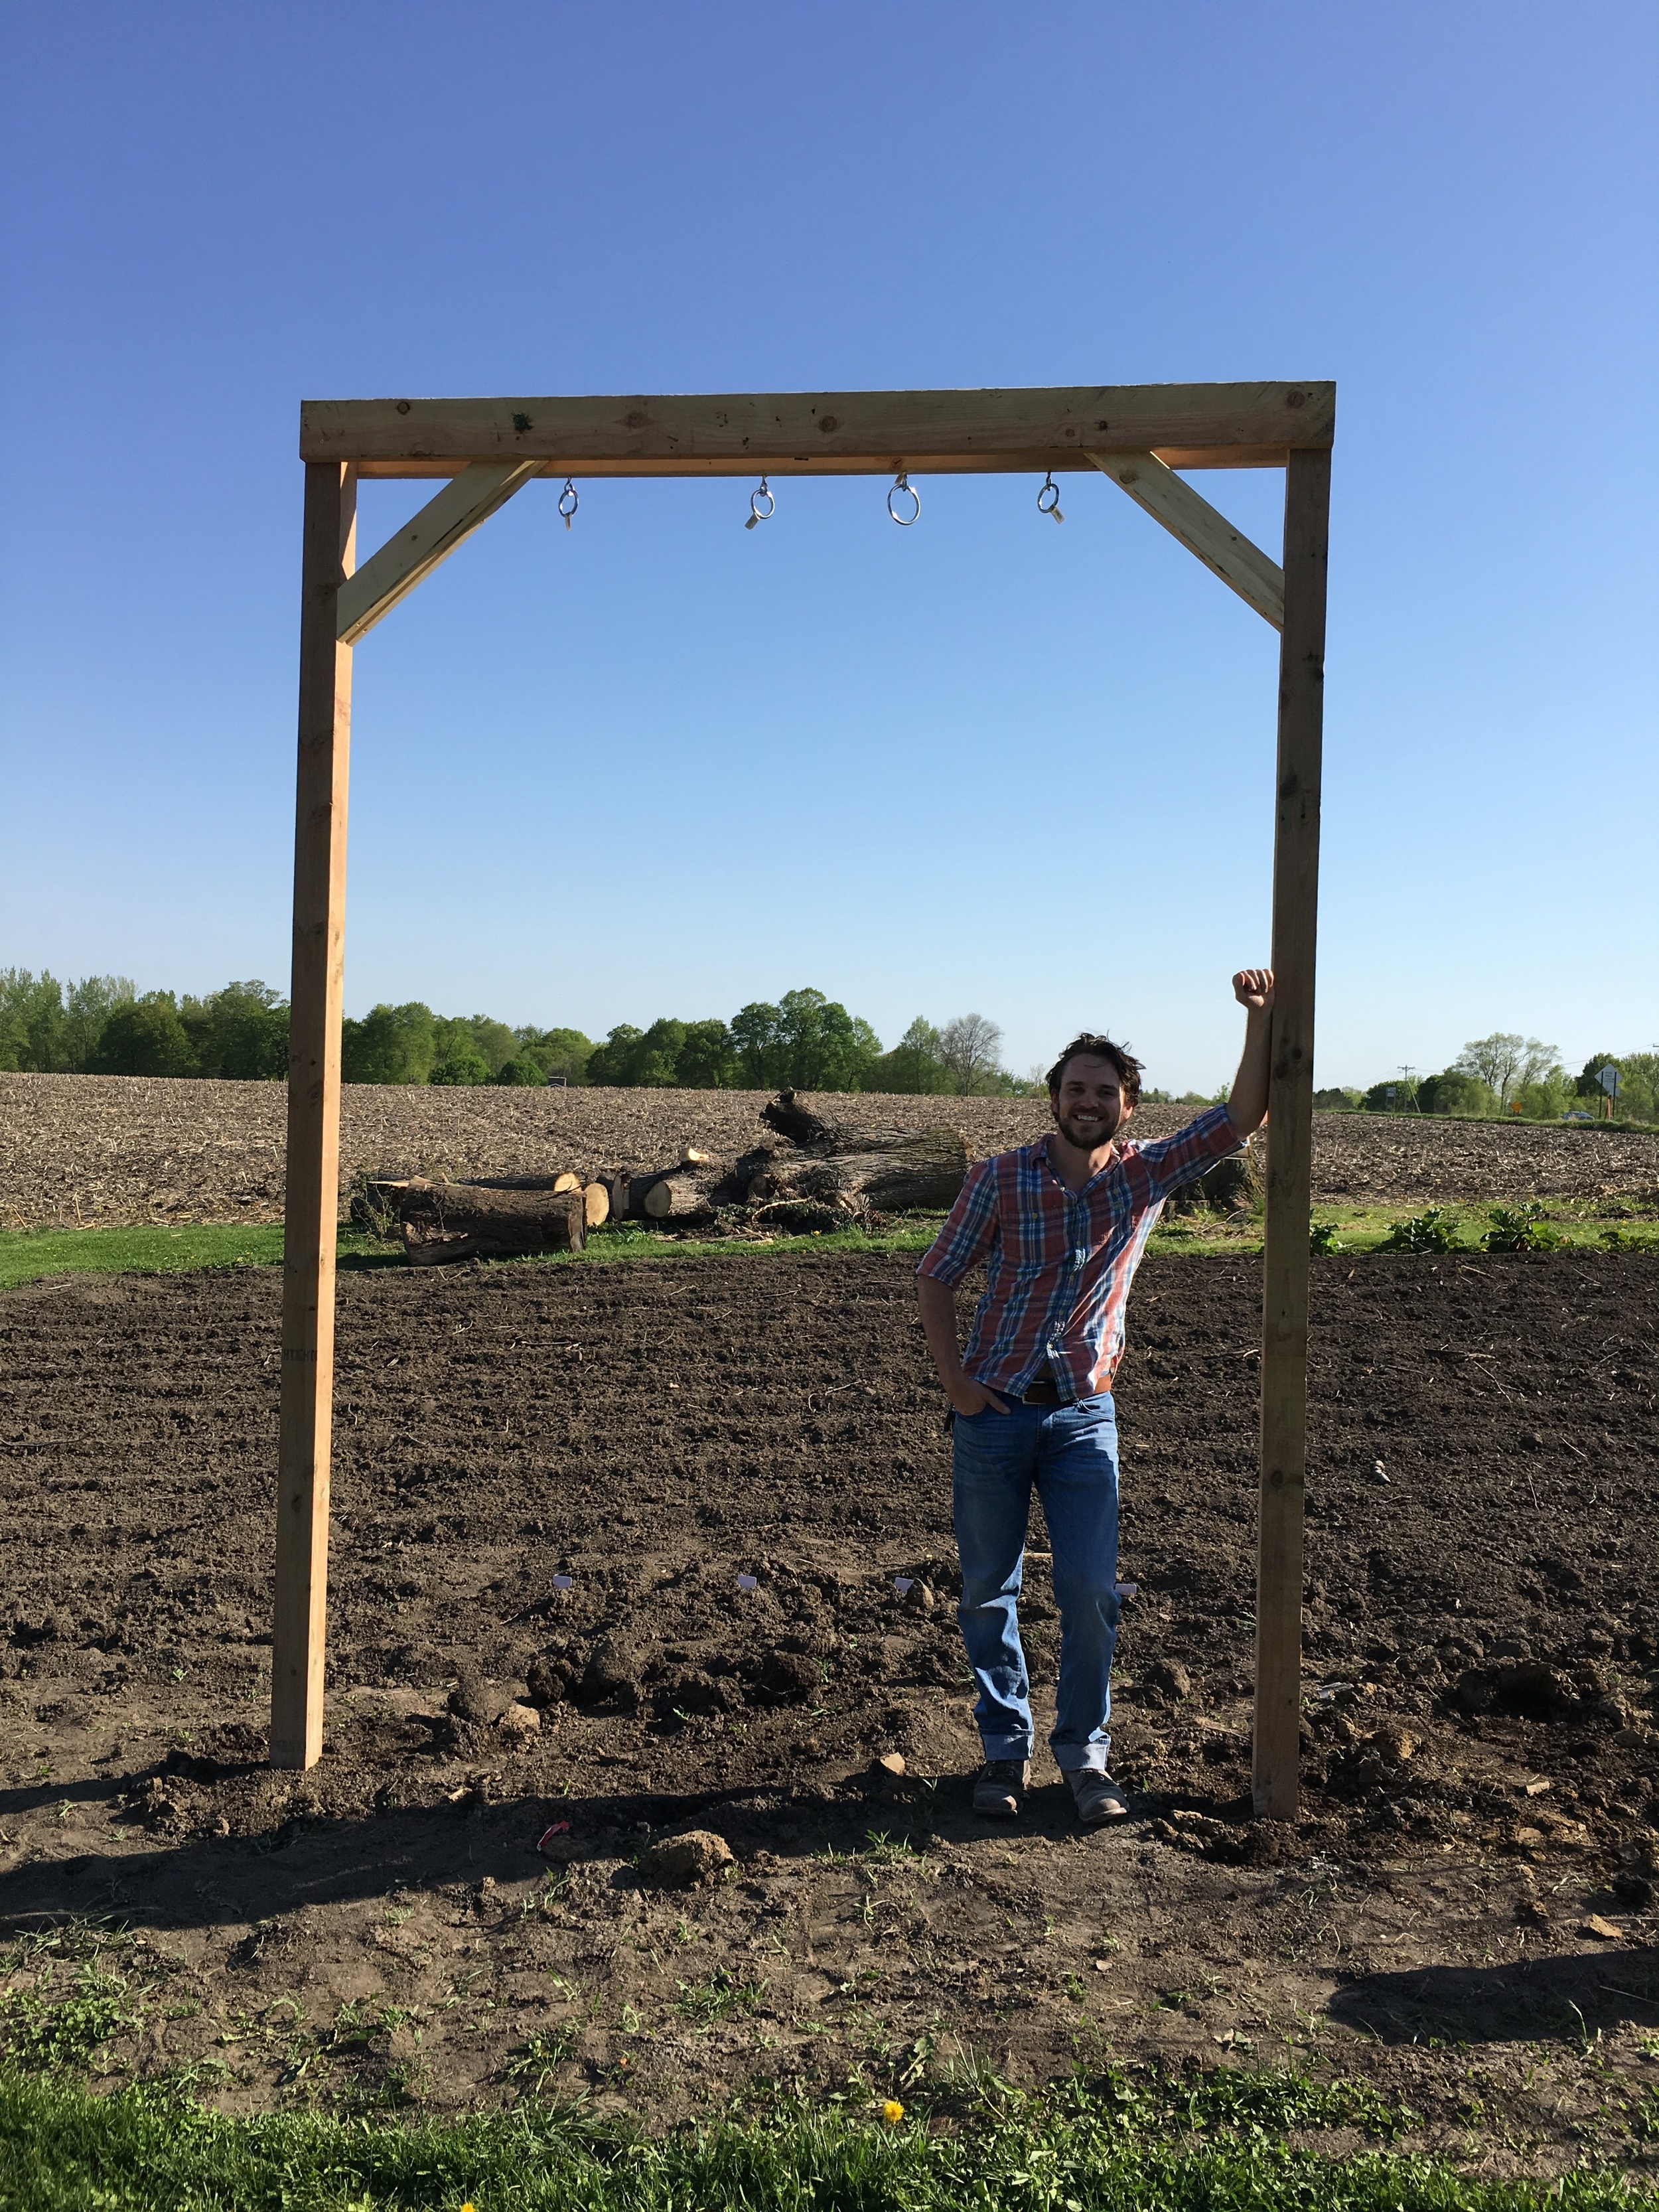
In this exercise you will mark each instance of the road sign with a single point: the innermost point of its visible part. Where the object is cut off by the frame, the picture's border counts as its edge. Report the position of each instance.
(1607, 1077)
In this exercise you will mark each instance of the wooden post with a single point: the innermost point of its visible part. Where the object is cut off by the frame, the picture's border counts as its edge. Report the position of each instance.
(312, 1210)
(1290, 1141)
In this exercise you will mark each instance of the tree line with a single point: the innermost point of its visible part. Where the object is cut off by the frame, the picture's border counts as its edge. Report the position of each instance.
(102, 1025)
(806, 1041)
(1508, 1075)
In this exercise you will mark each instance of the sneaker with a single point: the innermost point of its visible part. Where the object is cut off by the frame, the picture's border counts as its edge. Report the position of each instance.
(1096, 1796)
(998, 1786)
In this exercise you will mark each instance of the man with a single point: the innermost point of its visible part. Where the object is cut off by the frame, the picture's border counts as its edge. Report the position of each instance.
(1061, 1225)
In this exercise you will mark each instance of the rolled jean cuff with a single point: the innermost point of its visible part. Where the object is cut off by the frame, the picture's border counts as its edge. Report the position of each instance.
(1006, 1747)
(1092, 1762)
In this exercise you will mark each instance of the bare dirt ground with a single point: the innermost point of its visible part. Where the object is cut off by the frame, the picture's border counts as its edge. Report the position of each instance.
(1482, 1766)
(124, 1149)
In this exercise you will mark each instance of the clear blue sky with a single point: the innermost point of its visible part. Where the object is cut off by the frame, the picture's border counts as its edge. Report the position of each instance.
(659, 764)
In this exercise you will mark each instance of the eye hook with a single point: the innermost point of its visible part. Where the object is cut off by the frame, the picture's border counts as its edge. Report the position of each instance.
(1050, 492)
(902, 484)
(757, 512)
(569, 501)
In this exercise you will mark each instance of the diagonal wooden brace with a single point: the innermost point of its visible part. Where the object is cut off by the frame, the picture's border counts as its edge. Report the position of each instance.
(441, 525)
(1226, 552)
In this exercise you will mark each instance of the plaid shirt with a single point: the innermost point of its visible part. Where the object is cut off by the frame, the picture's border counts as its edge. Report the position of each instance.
(1060, 1263)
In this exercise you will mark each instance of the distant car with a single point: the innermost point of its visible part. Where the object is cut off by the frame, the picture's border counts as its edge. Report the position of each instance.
(1576, 1116)
(559, 1083)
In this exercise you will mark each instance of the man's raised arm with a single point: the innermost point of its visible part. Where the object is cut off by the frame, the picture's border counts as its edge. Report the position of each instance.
(1247, 1108)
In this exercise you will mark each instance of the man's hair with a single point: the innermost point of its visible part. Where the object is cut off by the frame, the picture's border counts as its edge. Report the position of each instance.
(1099, 1047)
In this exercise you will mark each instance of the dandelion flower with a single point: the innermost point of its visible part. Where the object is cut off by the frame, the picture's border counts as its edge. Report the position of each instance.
(893, 2112)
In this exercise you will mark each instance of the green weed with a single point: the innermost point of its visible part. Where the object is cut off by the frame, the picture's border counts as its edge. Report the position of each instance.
(45, 2030)
(65, 2002)
(1520, 1229)
(720, 1997)
(881, 1850)
(1432, 1230)
(535, 2062)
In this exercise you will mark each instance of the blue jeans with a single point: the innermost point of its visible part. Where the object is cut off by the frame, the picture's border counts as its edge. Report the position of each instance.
(1069, 1453)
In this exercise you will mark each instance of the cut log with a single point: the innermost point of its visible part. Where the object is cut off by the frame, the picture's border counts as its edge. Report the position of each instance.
(922, 1174)
(567, 1180)
(639, 1188)
(595, 1205)
(461, 1221)
(922, 1178)
(616, 1188)
(676, 1196)
(375, 1201)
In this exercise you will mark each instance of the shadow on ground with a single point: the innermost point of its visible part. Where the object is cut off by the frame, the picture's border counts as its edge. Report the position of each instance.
(1539, 1999)
(205, 1881)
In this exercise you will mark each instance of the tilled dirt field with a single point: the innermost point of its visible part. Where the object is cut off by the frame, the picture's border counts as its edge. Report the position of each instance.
(123, 1149)
(1482, 1765)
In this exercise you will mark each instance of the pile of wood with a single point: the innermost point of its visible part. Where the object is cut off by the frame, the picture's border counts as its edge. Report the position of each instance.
(860, 1169)
(822, 1174)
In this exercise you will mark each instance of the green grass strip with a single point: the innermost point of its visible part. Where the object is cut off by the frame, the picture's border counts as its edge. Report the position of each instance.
(627, 1242)
(26, 1254)
(1346, 1232)
(142, 2150)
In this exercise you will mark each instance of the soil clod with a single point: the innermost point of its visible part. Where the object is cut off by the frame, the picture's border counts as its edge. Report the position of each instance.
(685, 1861)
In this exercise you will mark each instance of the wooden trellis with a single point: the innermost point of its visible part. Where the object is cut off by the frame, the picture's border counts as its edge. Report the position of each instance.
(1137, 435)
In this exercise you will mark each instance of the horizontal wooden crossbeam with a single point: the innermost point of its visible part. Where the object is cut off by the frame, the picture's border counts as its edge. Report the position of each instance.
(442, 523)
(826, 433)
(1188, 515)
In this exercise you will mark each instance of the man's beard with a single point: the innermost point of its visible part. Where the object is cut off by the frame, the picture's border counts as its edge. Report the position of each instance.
(1087, 1139)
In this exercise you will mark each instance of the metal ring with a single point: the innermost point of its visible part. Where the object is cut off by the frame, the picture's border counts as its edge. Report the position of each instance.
(757, 512)
(1050, 492)
(573, 497)
(902, 483)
